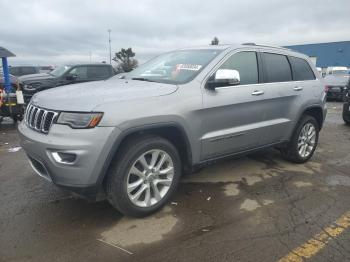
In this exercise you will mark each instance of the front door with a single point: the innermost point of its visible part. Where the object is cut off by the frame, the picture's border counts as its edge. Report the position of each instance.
(233, 115)
(77, 74)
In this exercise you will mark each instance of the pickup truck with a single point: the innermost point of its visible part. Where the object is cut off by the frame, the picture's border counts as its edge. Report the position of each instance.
(64, 75)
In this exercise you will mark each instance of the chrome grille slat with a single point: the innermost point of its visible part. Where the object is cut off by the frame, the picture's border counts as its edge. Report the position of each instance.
(32, 120)
(39, 119)
(43, 120)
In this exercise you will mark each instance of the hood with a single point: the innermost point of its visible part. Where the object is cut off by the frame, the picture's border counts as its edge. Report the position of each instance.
(13, 79)
(35, 77)
(87, 96)
(337, 80)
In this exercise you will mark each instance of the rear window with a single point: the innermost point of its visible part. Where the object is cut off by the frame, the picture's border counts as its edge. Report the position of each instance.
(28, 70)
(301, 69)
(276, 68)
(14, 71)
(99, 72)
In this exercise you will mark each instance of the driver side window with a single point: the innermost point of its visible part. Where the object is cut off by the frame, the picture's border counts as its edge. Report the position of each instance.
(80, 72)
(247, 66)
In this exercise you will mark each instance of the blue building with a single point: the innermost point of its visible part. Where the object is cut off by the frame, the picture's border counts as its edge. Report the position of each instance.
(326, 54)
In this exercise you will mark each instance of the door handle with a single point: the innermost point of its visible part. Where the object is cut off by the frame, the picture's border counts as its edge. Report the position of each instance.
(298, 88)
(257, 93)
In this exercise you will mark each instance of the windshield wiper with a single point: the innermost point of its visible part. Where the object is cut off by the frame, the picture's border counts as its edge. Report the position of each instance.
(142, 79)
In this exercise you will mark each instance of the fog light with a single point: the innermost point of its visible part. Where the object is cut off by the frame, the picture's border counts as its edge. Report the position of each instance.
(64, 158)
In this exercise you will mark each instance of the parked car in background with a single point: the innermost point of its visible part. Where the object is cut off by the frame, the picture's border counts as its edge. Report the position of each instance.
(337, 70)
(64, 75)
(23, 70)
(337, 85)
(346, 108)
(130, 139)
(46, 69)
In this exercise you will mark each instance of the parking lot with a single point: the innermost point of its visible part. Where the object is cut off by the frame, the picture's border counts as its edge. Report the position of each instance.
(256, 208)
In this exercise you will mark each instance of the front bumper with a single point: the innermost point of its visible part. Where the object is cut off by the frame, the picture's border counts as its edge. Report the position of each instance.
(90, 146)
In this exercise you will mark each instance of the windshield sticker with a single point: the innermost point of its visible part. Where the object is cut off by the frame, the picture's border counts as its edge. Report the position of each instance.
(188, 67)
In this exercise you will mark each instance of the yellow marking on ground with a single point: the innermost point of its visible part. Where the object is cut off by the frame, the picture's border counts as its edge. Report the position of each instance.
(318, 241)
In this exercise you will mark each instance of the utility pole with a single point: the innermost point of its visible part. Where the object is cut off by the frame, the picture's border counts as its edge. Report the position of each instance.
(110, 49)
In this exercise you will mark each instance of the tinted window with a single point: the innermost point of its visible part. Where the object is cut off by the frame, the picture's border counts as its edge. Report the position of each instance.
(276, 68)
(28, 70)
(301, 69)
(101, 72)
(80, 72)
(14, 71)
(246, 64)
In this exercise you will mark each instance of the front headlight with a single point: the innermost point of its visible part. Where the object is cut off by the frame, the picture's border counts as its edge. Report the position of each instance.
(79, 120)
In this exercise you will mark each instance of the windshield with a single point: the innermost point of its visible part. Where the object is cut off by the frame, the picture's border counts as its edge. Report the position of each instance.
(176, 67)
(59, 70)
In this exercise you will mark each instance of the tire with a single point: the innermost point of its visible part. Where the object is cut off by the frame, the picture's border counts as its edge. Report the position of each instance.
(123, 174)
(346, 119)
(15, 119)
(346, 115)
(292, 151)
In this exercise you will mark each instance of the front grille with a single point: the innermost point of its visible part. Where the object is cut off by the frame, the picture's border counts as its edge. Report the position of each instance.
(39, 119)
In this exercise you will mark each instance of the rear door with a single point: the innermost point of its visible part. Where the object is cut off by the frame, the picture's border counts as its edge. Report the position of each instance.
(232, 115)
(284, 97)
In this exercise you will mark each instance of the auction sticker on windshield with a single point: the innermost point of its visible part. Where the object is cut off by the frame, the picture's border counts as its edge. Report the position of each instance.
(190, 67)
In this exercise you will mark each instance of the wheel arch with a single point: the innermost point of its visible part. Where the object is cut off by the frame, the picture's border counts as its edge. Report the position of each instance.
(316, 112)
(172, 131)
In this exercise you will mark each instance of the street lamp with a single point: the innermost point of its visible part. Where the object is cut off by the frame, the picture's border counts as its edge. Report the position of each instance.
(110, 49)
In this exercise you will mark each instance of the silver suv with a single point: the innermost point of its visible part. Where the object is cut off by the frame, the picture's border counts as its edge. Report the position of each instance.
(130, 138)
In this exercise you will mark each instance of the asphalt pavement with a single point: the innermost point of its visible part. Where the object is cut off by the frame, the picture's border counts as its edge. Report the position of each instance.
(256, 208)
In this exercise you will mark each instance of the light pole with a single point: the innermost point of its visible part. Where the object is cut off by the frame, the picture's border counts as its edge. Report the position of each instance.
(110, 49)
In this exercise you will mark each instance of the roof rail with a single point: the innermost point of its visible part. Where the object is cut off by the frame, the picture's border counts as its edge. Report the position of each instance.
(270, 46)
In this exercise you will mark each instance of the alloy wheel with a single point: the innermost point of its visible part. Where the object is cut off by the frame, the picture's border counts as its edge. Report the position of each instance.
(307, 140)
(150, 178)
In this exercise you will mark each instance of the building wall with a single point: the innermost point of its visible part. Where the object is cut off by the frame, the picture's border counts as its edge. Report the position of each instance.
(327, 54)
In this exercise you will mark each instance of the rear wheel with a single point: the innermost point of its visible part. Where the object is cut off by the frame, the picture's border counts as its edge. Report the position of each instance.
(346, 113)
(304, 141)
(144, 176)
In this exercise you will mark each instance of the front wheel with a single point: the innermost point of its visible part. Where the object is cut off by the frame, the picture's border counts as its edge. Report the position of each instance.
(303, 142)
(144, 176)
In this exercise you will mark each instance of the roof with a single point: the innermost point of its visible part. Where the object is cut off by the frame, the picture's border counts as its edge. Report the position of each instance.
(89, 64)
(233, 46)
(5, 53)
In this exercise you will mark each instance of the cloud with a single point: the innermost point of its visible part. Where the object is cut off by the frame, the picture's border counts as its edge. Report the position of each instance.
(62, 31)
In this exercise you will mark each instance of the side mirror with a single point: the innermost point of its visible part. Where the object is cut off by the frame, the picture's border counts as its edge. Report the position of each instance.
(71, 77)
(224, 77)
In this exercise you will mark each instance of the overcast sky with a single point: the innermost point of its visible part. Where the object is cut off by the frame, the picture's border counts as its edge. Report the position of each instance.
(68, 31)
